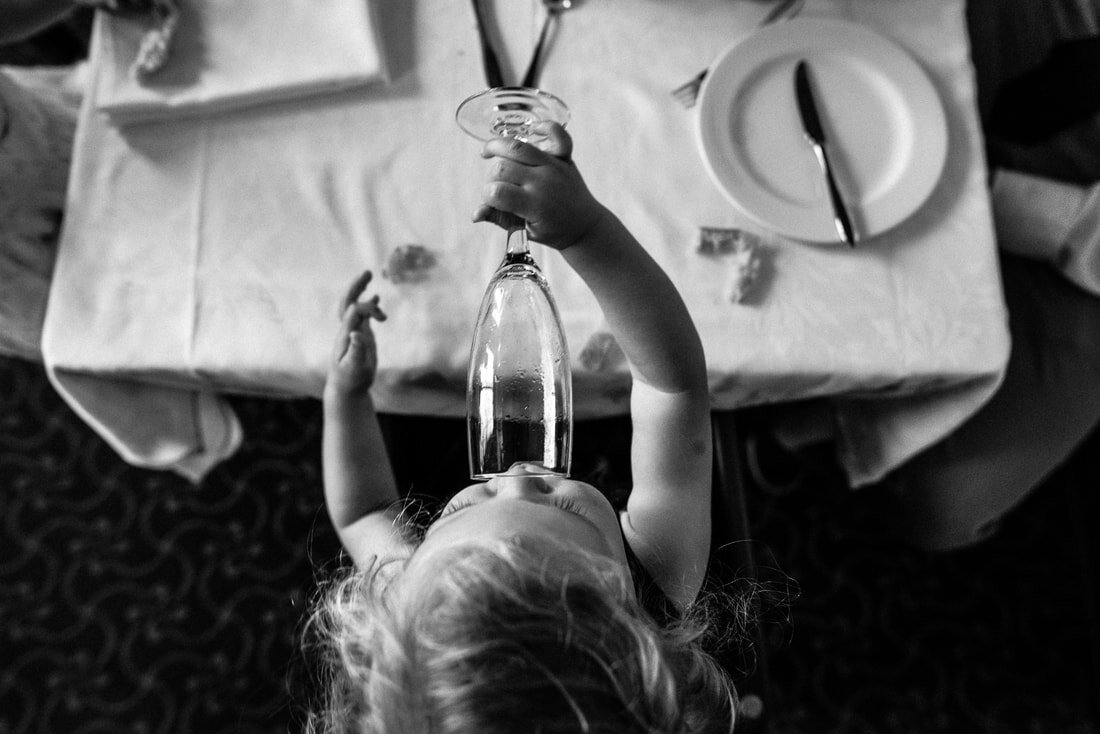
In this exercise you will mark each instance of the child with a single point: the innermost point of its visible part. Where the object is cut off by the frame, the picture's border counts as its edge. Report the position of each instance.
(529, 605)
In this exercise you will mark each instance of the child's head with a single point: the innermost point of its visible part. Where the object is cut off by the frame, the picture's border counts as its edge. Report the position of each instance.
(514, 613)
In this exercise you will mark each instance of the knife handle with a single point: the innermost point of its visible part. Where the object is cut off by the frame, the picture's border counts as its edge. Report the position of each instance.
(841, 220)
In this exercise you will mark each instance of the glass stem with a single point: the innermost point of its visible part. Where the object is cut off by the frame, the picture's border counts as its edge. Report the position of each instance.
(517, 248)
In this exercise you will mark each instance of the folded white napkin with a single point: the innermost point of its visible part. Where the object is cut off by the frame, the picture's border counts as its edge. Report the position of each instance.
(1050, 220)
(232, 53)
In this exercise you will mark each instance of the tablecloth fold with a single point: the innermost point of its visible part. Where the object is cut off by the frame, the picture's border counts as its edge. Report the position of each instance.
(185, 431)
(877, 435)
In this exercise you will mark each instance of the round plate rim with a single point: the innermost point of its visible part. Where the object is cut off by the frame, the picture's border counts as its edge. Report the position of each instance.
(802, 37)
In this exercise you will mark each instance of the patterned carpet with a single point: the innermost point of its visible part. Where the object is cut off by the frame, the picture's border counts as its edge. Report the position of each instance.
(131, 601)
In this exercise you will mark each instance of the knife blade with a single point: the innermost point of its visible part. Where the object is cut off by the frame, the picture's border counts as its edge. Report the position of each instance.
(815, 135)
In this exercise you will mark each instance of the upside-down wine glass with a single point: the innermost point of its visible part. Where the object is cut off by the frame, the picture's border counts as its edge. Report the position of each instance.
(519, 389)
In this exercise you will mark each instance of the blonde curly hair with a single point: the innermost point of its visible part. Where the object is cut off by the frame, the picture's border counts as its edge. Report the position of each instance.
(507, 638)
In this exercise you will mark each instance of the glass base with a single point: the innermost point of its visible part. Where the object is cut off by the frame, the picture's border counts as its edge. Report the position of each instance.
(533, 469)
(509, 112)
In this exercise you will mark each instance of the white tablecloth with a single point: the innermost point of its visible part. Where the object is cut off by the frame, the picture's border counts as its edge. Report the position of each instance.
(206, 255)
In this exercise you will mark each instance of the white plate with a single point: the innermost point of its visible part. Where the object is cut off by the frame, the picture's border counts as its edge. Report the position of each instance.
(885, 127)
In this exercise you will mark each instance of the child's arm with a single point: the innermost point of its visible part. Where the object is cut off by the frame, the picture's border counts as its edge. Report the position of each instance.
(360, 488)
(667, 520)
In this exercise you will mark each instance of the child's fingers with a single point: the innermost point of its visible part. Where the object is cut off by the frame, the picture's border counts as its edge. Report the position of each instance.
(483, 213)
(506, 197)
(557, 142)
(349, 322)
(366, 310)
(352, 346)
(515, 150)
(356, 345)
(508, 171)
(356, 290)
(340, 346)
(350, 319)
(371, 309)
(376, 310)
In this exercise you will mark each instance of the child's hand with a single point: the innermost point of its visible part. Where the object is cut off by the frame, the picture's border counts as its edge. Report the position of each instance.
(354, 356)
(540, 185)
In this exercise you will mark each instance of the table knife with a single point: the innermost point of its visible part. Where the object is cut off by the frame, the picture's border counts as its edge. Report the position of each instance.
(815, 134)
